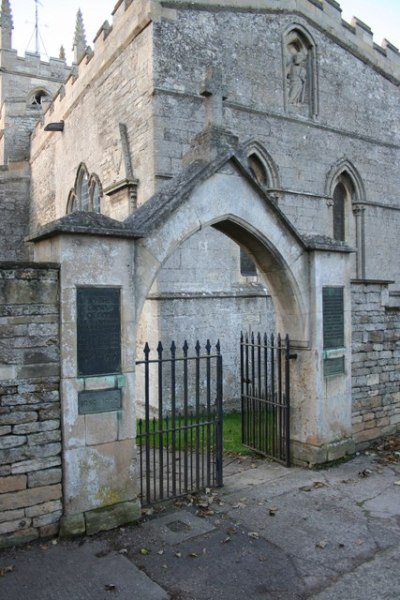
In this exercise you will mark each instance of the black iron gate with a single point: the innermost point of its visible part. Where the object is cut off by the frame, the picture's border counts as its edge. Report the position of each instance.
(265, 394)
(179, 437)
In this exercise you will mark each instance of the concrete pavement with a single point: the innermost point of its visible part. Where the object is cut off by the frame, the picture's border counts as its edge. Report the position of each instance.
(271, 533)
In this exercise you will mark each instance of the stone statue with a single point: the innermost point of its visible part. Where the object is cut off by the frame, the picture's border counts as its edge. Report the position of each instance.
(297, 75)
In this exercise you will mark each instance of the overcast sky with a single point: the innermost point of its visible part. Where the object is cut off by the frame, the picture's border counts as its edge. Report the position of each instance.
(57, 21)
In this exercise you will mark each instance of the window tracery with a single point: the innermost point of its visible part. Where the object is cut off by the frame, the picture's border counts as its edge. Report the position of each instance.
(86, 194)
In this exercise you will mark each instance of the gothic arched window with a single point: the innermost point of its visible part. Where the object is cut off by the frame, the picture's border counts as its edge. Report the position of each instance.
(82, 190)
(86, 194)
(257, 169)
(339, 217)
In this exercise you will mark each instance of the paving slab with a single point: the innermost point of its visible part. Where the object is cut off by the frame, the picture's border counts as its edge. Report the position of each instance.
(270, 533)
(69, 571)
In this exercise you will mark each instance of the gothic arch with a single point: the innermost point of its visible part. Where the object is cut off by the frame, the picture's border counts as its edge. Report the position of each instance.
(87, 192)
(300, 74)
(339, 168)
(72, 204)
(344, 175)
(248, 218)
(37, 96)
(254, 149)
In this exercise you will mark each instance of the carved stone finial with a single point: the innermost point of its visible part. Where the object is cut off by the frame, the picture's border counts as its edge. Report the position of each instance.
(214, 94)
(62, 53)
(79, 46)
(6, 25)
(6, 20)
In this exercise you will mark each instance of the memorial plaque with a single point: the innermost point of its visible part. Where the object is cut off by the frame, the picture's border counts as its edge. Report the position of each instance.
(99, 401)
(98, 331)
(333, 317)
(333, 366)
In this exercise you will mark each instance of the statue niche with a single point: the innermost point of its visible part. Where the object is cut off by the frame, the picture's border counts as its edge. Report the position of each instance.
(299, 59)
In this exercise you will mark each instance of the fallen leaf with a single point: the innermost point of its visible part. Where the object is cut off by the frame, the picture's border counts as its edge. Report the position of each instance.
(5, 570)
(144, 551)
(273, 511)
(178, 554)
(160, 552)
(193, 555)
(254, 535)
(239, 505)
(397, 482)
(226, 540)
(319, 484)
(365, 473)
(322, 544)
(306, 488)
(123, 551)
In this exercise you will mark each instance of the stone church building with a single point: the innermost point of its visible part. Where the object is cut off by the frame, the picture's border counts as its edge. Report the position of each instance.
(207, 168)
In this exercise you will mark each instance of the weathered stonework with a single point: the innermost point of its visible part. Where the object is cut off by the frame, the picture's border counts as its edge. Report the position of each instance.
(30, 431)
(375, 363)
(206, 127)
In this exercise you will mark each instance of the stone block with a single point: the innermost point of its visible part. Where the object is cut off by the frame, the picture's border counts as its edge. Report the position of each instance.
(340, 449)
(5, 430)
(12, 441)
(103, 519)
(13, 526)
(12, 515)
(44, 509)
(30, 497)
(45, 477)
(37, 426)
(72, 525)
(101, 428)
(28, 466)
(12, 484)
(48, 531)
(24, 536)
(48, 519)
(45, 437)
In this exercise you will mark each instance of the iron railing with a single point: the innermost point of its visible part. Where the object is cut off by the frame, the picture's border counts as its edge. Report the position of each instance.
(179, 437)
(265, 395)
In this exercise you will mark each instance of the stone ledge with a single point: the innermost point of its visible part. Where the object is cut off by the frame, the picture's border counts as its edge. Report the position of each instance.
(100, 519)
(314, 456)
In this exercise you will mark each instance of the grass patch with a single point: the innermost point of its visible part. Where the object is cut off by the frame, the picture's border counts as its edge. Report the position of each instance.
(232, 435)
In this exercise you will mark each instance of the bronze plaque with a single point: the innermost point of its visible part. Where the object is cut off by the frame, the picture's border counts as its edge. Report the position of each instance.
(333, 317)
(99, 401)
(98, 331)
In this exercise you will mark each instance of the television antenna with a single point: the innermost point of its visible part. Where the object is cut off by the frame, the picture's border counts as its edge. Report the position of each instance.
(36, 32)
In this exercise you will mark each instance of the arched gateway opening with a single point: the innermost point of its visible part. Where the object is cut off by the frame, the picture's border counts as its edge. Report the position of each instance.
(221, 205)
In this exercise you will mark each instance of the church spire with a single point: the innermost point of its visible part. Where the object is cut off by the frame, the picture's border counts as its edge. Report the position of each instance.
(79, 46)
(6, 25)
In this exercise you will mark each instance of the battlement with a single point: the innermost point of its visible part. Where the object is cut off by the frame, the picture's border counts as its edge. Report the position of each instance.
(31, 64)
(130, 17)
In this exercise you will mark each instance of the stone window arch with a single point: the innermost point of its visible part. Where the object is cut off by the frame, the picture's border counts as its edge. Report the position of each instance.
(82, 188)
(95, 194)
(87, 192)
(300, 72)
(261, 165)
(345, 188)
(72, 203)
(38, 96)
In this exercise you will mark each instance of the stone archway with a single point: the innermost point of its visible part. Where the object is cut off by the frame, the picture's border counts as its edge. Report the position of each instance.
(223, 196)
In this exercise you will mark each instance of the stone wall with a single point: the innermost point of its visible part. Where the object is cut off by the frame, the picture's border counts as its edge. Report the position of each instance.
(376, 356)
(30, 434)
(14, 207)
